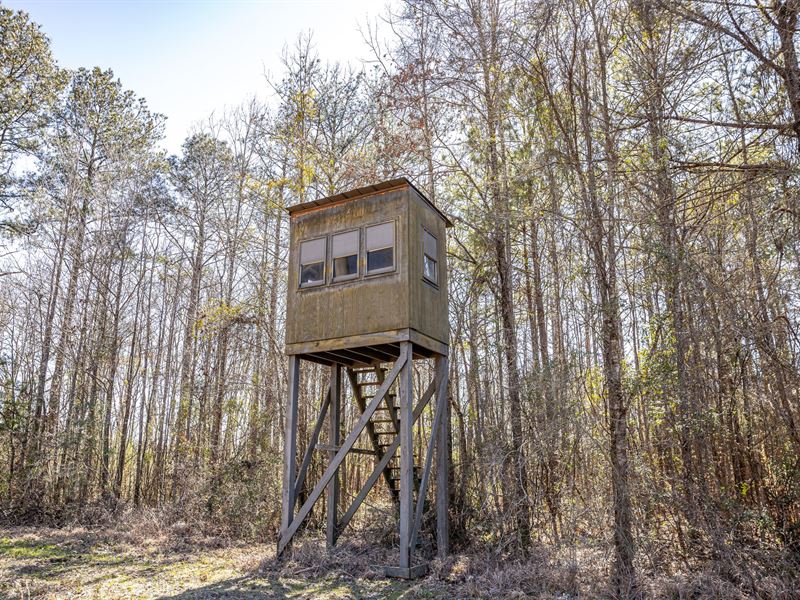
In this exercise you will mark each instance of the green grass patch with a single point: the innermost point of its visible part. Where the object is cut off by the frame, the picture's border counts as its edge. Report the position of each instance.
(30, 550)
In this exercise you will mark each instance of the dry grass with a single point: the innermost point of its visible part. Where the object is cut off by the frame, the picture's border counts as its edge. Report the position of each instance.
(147, 559)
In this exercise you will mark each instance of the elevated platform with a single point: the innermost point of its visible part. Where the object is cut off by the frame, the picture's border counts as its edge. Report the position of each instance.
(367, 350)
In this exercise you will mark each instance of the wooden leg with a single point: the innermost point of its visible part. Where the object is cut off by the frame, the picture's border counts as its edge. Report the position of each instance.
(406, 459)
(334, 433)
(347, 445)
(289, 498)
(443, 462)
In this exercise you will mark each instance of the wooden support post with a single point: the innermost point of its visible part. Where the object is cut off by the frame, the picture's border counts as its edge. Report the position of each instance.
(334, 431)
(406, 457)
(330, 471)
(290, 449)
(442, 461)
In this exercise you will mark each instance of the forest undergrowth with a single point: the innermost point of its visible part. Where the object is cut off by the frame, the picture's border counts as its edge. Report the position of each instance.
(168, 554)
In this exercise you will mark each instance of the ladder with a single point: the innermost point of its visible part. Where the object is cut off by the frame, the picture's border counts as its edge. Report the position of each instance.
(384, 426)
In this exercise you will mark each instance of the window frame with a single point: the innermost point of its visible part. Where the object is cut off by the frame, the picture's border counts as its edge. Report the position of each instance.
(435, 259)
(316, 283)
(384, 270)
(351, 276)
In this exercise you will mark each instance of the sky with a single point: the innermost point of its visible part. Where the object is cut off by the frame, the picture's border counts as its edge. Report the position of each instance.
(189, 59)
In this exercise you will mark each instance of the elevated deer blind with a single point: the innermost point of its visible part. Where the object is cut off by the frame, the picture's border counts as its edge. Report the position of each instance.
(367, 296)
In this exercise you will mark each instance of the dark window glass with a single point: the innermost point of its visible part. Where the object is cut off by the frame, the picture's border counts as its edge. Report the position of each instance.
(311, 273)
(429, 268)
(345, 266)
(380, 259)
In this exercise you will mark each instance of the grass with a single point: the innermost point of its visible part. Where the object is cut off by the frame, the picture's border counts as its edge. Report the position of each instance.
(153, 562)
(78, 563)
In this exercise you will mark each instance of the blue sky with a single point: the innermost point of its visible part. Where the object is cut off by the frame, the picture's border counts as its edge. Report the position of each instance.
(191, 58)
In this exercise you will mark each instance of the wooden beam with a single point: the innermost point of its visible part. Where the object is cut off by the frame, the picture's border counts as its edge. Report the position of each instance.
(379, 468)
(286, 535)
(443, 463)
(301, 476)
(334, 431)
(362, 405)
(389, 404)
(336, 358)
(329, 448)
(353, 341)
(288, 497)
(315, 359)
(426, 472)
(381, 352)
(378, 356)
(357, 355)
(406, 457)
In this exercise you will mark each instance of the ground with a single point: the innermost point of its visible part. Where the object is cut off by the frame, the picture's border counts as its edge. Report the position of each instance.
(141, 561)
(78, 563)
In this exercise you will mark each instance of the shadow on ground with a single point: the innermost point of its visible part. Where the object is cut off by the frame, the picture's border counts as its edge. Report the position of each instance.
(257, 587)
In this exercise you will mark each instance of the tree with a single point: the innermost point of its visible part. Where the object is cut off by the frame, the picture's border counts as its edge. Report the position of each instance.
(29, 85)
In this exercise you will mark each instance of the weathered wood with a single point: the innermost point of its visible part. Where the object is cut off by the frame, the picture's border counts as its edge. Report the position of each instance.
(334, 431)
(414, 572)
(385, 342)
(389, 404)
(347, 342)
(443, 463)
(426, 471)
(381, 466)
(422, 341)
(336, 358)
(363, 192)
(406, 459)
(332, 314)
(312, 444)
(287, 534)
(362, 405)
(382, 353)
(396, 315)
(315, 359)
(289, 452)
(330, 448)
(362, 356)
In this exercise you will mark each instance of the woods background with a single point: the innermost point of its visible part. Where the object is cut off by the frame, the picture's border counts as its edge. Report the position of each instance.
(624, 277)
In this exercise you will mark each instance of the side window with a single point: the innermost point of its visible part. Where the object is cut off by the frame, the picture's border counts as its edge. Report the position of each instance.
(380, 248)
(312, 262)
(344, 247)
(430, 257)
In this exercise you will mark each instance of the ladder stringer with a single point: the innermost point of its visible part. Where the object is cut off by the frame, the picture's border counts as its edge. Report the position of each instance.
(373, 435)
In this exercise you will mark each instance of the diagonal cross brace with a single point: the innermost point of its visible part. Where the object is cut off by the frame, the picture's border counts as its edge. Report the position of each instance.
(362, 405)
(426, 473)
(376, 472)
(330, 472)
(301, 476)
